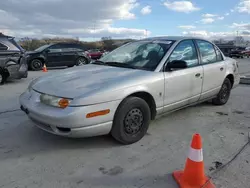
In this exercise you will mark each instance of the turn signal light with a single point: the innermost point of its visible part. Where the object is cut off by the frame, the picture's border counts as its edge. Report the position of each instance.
(63, 103)
(98, 113)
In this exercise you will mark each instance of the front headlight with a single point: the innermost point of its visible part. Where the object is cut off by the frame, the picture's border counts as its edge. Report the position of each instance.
(54, 101)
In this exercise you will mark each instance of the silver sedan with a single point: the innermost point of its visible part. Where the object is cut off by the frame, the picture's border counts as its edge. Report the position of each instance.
(130, 86)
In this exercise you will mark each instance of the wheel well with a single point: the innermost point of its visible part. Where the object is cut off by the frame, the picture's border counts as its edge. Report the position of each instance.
(150, 101)
(5, 71)
(231, 78)
(41, 59)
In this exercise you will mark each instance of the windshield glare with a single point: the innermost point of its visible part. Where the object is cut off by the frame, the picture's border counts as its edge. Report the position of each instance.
(42, 48)
(141, 54)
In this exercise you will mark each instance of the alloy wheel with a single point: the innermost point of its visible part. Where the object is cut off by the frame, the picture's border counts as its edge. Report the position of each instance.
(81, 61)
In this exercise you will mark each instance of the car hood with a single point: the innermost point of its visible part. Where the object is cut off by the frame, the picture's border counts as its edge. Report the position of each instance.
(88, 80)
(31, 52)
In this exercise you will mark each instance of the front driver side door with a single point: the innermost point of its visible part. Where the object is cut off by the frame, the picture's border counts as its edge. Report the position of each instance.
(54, 56)
(183, 86)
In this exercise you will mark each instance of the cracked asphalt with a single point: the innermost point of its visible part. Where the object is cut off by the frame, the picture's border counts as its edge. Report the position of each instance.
(32, 158)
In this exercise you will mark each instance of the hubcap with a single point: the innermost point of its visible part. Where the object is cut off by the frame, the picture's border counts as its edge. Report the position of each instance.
(224, 93)
(133, 121)
(81, 61)
(36, 64)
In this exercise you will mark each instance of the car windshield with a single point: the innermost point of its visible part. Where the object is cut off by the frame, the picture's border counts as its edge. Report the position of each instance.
(144, 55)
(42, 48)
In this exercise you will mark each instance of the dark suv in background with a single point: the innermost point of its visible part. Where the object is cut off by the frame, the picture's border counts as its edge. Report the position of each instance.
(58, 54)
(12, 59)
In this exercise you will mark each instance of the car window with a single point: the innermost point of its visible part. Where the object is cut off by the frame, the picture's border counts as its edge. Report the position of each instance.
(71, 47)
(56, 48)
(74, 47)
(3, 47)
(207, 52)
(218, 54)
(185, 51)
(13, 41)
(41, 48)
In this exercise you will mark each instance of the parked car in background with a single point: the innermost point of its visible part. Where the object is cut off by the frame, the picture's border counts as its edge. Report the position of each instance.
(95, 53)
(247, 52)
(130, 86)
(12, 59)
(58, 54)
(237, 52)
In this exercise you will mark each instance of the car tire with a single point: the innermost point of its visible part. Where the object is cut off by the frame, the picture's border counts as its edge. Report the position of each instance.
(131, 120)
(36, 64)
(224, 93)
(81, 61)
(2, 77)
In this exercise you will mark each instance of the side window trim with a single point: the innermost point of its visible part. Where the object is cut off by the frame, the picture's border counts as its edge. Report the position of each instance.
(218, 49)
(198, 52)
(167, 61)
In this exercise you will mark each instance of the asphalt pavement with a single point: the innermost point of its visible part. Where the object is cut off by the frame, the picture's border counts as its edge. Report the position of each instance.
(32, 158)
(244, 66)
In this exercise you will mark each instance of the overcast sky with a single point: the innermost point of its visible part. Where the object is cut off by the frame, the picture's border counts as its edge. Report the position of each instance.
(93, 19)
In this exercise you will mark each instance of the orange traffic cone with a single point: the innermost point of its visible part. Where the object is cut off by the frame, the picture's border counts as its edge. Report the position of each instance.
(44, 68)
(193, 175)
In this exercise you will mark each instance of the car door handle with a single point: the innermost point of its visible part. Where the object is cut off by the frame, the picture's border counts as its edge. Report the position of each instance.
(198, 75)
(221, 68)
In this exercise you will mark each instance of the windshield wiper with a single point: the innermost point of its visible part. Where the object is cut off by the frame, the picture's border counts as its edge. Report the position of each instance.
(117, 64)
(112, 63)
(98, 62)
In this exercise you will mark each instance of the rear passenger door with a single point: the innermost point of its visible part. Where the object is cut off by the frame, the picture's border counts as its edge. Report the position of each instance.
(214, 68)
(69, 52)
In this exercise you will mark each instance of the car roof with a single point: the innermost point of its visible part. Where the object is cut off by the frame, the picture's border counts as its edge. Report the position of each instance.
(64, 43)
(174, 38)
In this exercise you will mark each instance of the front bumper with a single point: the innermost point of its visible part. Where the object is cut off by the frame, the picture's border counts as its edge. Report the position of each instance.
(69, 122)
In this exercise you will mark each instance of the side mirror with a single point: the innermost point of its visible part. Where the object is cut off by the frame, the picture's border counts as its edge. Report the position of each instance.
(176, 64)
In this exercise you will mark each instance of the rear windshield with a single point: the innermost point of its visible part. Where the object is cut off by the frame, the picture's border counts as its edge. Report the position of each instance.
(12, 40)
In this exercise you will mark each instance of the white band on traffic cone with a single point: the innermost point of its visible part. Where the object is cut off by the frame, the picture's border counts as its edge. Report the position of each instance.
(195, 155)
